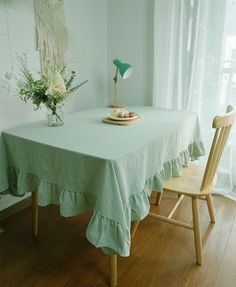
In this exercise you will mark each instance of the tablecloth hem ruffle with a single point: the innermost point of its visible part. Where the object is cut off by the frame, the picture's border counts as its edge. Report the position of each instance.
(101, 232)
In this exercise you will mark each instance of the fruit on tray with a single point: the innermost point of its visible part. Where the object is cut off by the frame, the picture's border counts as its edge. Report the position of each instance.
(123, 114)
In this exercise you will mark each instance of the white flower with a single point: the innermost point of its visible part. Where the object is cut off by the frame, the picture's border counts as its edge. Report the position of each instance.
(55, 84)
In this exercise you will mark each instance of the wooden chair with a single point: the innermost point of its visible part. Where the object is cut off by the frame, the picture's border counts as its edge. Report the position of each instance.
(197, 182)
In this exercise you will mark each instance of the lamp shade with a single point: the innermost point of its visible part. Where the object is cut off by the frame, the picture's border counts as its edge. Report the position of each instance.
(125, 69)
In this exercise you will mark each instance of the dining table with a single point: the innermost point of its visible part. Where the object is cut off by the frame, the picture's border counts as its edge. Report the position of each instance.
(109, 170)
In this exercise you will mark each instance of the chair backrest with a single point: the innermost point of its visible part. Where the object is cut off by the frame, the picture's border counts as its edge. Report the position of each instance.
(222, 124)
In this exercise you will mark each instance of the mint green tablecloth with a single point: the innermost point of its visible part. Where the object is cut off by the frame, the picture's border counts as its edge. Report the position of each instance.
(86, 165)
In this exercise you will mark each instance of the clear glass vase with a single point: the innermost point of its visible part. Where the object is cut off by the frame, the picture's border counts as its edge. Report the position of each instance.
(55, 116)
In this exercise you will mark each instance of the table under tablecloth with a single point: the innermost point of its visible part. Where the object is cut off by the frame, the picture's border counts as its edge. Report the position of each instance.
(108, 170)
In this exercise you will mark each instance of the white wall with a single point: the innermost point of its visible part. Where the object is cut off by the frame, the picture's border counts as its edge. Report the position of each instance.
(98, 32)
(87, 26)
(86, 22)
(130, 38)
(17, 35)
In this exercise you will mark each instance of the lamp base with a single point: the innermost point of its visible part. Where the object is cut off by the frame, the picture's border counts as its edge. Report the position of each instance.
(116, 105)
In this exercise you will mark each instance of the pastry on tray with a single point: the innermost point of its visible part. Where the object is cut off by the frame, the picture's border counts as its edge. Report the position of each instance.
(123, 114)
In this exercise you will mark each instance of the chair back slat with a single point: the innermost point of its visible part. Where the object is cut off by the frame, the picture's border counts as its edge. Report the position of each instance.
(222, 124)
(224, 136)
(210, 161)
(218, 152)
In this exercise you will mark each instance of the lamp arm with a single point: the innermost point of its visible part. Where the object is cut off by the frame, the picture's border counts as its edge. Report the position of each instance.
(115, 87)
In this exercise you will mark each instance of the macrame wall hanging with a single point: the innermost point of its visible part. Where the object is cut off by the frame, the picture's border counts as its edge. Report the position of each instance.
(52, 37)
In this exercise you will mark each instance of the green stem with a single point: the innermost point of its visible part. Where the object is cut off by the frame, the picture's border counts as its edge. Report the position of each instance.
(58, 117)
(53, 109)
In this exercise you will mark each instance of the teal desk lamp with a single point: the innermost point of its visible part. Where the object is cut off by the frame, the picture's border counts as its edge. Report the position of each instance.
(125, 71)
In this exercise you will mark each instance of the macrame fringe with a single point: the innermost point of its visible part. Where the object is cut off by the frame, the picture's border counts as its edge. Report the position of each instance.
(51, 32)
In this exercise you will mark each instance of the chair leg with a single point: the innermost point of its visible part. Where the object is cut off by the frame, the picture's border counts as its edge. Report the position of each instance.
(210, 208)
(197, 230)
(113, 270)
(134, 228)
(35, 213)
(158, 198)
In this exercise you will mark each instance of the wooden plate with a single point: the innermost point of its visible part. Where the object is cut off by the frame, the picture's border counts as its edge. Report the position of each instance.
(122, 123)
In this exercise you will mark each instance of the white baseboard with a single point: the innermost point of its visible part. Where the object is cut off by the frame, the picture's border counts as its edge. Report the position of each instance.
(14, 206)
(8, 200)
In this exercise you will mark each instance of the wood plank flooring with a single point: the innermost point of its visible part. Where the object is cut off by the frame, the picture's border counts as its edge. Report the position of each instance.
(162, 255)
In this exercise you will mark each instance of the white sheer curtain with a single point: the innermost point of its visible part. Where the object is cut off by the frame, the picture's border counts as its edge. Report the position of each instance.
(195, 67)
(174, 38)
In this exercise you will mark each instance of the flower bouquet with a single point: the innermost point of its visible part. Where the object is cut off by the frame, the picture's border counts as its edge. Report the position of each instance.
(51, 88)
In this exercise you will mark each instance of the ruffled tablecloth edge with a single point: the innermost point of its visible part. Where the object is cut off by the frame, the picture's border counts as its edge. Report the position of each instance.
(102, 232)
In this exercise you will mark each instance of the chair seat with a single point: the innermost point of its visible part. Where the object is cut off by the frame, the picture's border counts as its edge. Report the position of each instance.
(189, 183)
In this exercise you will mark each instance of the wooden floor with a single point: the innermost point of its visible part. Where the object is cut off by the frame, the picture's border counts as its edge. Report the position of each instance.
(161, 255)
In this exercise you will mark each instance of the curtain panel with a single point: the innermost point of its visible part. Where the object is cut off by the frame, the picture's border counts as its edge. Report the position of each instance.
(195, 68)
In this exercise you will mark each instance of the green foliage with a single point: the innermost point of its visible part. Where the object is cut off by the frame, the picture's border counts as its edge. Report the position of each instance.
(51, 88)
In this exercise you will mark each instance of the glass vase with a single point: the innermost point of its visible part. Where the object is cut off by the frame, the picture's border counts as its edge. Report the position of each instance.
(55, 116)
